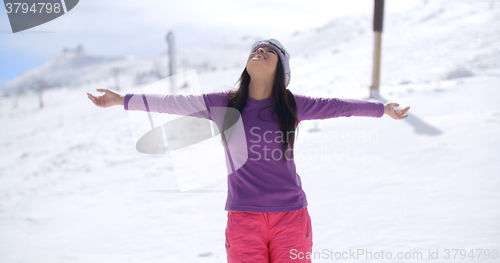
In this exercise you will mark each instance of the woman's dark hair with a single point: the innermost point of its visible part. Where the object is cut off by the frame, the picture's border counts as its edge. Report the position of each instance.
(283, 102)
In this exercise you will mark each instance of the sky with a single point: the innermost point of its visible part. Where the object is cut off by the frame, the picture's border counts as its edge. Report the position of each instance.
(139, 28)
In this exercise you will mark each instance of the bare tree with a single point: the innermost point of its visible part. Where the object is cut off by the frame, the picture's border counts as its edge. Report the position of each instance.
(39, 85)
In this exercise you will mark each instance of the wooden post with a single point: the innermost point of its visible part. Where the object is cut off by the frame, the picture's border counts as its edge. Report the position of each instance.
(378, 19)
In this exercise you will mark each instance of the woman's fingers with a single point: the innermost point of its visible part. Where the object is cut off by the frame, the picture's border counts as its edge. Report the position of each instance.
(399, 113)
(92, 97)
(95, 100)
(404, 111)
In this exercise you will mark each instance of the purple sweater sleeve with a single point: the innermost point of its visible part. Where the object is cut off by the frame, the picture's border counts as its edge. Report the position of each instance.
(188, 105)
(322, 108)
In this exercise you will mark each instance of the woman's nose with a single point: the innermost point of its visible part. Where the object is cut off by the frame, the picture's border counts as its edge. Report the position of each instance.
(261, 50)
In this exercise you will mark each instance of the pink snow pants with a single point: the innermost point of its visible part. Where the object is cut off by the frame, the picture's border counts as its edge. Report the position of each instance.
(268, 237)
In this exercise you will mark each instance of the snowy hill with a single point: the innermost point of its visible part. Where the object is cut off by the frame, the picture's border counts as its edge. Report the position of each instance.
(74, 189)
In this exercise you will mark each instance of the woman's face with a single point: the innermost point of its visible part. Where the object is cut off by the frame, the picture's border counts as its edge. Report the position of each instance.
(262, 61)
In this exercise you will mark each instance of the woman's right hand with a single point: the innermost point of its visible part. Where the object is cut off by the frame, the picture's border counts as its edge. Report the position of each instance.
(109, 98)
(395, 114)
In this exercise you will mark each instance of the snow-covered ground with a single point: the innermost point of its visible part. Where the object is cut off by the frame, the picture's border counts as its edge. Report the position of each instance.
(74, 189)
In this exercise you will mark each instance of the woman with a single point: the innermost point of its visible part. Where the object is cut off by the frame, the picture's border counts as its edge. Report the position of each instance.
(268, 219)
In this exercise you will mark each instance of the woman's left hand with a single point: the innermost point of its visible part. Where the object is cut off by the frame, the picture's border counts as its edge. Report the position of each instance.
(395, 114)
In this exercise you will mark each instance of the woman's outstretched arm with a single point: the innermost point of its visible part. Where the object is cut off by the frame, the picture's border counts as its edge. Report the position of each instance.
(187, 105)
(310, 108)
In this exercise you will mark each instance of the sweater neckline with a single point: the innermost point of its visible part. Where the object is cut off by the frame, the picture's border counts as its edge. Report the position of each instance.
(267, 100)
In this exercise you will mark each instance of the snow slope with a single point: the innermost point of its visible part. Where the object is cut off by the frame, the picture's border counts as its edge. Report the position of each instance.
(74, 189)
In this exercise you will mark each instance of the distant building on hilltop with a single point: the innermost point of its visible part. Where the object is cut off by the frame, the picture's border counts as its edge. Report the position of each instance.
(79, 50)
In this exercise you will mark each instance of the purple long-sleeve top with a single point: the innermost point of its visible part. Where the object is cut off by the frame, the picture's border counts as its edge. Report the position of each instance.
(263, 183)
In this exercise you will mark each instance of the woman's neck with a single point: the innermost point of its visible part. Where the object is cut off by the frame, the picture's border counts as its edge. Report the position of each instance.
(260, 89)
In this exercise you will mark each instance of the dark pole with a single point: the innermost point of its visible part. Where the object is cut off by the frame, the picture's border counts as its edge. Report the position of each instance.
(378, 21)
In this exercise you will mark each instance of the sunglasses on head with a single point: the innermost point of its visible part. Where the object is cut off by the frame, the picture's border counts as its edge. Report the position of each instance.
(269, 41)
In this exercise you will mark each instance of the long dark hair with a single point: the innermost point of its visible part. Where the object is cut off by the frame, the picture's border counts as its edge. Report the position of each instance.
(283, 102)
